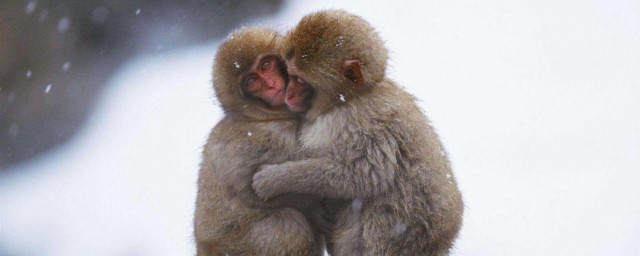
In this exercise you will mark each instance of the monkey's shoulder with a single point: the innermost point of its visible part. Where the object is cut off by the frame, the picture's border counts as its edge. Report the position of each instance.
(393, 107)
(345, 125)
(389, 115)
(235, 133)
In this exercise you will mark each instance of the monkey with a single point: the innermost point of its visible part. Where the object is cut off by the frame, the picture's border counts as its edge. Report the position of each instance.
(369, 148)
(257, 128)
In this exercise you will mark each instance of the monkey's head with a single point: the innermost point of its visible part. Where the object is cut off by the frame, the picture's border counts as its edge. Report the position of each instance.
(249, 75)
(332, 56)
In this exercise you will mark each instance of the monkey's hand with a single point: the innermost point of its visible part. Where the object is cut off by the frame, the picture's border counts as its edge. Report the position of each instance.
(265, 181)
(322, 177)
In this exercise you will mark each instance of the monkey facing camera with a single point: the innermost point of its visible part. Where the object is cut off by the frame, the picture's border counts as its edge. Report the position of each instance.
(249, 82)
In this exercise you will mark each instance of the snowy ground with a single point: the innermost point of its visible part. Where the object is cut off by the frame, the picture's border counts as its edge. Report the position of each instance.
(537, 103)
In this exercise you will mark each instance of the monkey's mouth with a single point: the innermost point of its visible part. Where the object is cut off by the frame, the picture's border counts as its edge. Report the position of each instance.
(296, 107)
(278, 98)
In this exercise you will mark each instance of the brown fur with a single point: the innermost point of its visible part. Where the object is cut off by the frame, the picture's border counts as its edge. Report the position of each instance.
(229, 218)
(374, 152)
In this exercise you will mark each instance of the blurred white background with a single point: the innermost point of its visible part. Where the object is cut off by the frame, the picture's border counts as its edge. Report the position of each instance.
(537, 102)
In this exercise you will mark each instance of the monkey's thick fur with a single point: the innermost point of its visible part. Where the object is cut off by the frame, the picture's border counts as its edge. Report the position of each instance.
(369, 144)
(229, 218)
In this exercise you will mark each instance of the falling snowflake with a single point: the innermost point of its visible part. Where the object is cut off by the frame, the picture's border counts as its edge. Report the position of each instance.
(138, 12)
(48, 89)
(342, 98)
(63, 24)
(235, 63)
(356, 205)
(249, 134)
(43, 15)
(398, 229)
(31, 6)
(66, 66)
(340, 41)
(29, 73)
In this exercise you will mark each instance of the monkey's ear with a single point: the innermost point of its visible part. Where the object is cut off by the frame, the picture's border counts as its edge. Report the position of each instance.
(351, 69)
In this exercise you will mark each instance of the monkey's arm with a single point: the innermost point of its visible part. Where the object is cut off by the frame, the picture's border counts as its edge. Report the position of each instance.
(360, 163)
(325, 177)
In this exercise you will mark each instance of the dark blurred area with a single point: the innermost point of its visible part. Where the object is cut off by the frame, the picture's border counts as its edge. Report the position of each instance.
(56, 57)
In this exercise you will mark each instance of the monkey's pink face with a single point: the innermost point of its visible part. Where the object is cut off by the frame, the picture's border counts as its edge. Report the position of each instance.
(266, 81)
(299, 92)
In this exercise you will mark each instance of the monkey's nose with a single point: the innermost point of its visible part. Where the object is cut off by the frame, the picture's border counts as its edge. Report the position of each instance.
(270, 83)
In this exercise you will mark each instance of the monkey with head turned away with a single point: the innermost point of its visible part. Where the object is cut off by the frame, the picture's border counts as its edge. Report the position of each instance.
(369, 148)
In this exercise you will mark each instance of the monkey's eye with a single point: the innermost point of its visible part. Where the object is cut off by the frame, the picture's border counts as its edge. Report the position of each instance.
(266, 65)
(250, 83)
(300, 81)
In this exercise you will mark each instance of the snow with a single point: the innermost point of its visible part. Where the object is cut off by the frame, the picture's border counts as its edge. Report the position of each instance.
(66, 66)
(342, 98)
(399, 229)
(43, 15)
(126, 184)
(340, 41)
(28, 74)
(47, 89)
(137, 12)
(537, 104)
(63, 24)
(356, 205)
(31, 6)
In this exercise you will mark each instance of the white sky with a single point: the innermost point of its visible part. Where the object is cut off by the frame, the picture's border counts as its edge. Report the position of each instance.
(537, 102)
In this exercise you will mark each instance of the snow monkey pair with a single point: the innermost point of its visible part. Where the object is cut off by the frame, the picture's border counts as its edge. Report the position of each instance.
(352, 166)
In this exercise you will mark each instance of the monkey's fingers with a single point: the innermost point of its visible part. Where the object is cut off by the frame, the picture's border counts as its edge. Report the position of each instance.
(263, 184)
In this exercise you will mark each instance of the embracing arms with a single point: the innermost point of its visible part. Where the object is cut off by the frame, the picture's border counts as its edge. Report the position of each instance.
(352, 170)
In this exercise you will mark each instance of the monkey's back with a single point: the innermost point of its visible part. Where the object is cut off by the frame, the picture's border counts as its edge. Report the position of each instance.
(427, 186)
(422, 209)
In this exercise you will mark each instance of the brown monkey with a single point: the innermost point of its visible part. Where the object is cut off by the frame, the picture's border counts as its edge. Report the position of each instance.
(366, 141)
(249, 82)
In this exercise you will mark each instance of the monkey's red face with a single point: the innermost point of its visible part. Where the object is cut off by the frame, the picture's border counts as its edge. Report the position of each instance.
(299, 91)
(266, 81)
